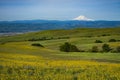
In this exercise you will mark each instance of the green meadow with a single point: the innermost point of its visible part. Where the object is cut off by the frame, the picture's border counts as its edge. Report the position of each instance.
(19, 60)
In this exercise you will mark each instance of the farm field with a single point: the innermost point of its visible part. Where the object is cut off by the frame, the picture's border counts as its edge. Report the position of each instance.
(19, 60)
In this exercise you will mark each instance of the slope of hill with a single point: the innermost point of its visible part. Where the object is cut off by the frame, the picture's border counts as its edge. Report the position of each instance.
(20, 60)
(57, 34)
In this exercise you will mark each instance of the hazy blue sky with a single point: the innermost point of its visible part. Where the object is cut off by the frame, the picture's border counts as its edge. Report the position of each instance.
(59, 9)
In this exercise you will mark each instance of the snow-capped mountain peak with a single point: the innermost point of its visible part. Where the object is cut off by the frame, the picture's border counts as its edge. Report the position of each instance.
(84, 18)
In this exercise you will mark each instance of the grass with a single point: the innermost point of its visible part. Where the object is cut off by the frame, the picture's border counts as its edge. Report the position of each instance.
(51, 50)
(102, 57)
(21, 61)
(73, 33)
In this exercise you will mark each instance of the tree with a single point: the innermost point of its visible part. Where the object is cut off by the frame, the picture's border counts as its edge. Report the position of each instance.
(73, 48)
(67, 47)
(112, 40)
(106, 48)
(37, 44)
(98, 41)
(118, 49)
(94, 49)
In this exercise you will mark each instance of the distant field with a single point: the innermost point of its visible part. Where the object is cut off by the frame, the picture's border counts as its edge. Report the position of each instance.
(73, 33)
(21, 61)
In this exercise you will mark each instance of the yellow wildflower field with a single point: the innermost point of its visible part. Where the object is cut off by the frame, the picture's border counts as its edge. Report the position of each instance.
(30, 67)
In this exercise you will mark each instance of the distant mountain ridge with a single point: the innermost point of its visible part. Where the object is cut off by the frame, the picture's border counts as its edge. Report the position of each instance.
(22, 26)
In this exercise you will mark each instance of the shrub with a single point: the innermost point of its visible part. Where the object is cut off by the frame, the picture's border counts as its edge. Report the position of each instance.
(37, 44)
(118, 49)
(98, 41)
(112, 40)
(67, 47)
(118, 40)
(106, 48)
(63, 37)
(106, 35)
(94, 49)
(73, 48)
(81, 50)
(39, 39)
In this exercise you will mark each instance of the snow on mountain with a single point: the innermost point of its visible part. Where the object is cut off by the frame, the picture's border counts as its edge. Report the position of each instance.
(83, 18)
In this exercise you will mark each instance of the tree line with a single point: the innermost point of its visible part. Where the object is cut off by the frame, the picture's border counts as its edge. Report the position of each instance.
(67, 47)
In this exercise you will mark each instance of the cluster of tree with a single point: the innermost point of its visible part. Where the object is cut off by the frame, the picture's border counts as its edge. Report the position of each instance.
(105, 48)
(98, 41)
(47, 38)
(67, 47)
(111, 40)
(105, 35)
(39, 39)
(37, 44)
(63, 37)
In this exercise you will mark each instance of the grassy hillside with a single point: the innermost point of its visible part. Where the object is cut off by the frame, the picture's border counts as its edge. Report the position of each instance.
(83, 38)
(55, 34)
(50, 53)
(20, 60)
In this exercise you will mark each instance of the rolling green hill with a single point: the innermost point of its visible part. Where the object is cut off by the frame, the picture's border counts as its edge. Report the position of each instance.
(19, 60)
(83, 38)
(73, 33)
